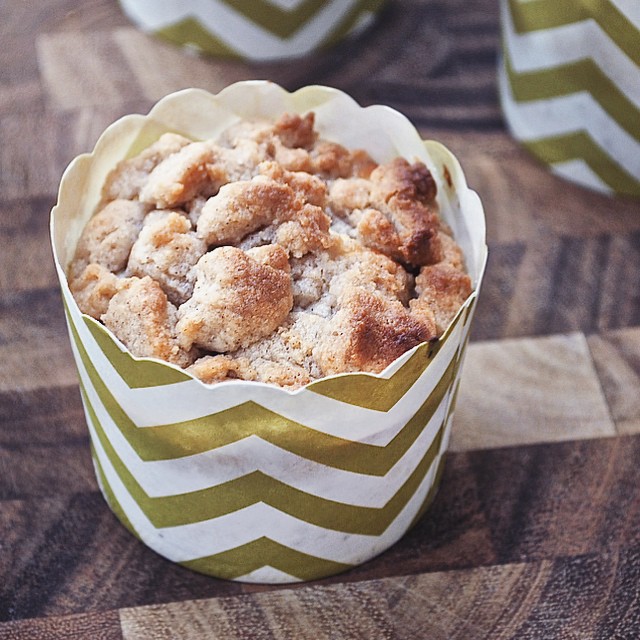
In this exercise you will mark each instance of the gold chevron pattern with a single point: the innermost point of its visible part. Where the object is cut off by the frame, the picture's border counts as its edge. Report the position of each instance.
(260, 29)
(563, 58)
(163, 517)
(246, 480)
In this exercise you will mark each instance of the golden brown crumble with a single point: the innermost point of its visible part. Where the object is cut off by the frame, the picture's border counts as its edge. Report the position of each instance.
(270, 255)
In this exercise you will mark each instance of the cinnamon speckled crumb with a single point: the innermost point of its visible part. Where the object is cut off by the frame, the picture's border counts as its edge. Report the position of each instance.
(269, 255)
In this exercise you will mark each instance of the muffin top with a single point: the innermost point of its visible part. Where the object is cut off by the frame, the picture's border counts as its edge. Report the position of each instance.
(268, 254)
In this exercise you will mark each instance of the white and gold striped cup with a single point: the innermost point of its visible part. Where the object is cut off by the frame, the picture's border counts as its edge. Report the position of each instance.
(570, 87)
(257, 30)
(244, 480)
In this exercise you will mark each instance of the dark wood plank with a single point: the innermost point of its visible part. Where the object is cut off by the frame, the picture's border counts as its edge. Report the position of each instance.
(565, 499)
(69, 554)
(374, 69)
(44, 444)
(566, 597)
(93, 626)
(371, 67)
(572, 284)
(26, 260)
(34, 343)
(32, 470)
(41, 416)
(491, 320)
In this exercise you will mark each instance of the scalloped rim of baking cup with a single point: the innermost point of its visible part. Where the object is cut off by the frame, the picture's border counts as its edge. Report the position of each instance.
(569, 83)
(261, 30)
(246, 480)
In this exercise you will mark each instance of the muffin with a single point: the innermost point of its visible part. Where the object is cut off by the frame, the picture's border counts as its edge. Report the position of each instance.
(234, 447)
(269, 254)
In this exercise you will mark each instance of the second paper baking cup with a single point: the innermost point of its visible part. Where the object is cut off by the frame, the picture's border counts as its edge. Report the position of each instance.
(244, 480)
(259, 30)
(570, 88)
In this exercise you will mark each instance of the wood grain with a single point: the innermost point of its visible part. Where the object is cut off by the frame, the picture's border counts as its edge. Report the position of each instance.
(82, 69)
(535, 530)
(495, 506)
(561, 284)
(550, 599)
(567, 597)
(34, 343)
(25, 229)
(530, 390)
(617, 358)
(97, 626)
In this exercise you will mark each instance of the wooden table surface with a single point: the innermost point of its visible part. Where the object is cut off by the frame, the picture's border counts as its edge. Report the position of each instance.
(536, 530)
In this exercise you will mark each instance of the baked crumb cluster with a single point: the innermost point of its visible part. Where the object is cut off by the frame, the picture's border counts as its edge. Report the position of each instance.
(268, 254)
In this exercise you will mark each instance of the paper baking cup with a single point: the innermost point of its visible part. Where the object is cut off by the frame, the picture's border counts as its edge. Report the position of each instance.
(245, 480)
(258, 30)
(570, 88)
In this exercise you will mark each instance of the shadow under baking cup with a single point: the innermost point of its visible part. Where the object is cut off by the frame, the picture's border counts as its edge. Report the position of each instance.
(244, 480)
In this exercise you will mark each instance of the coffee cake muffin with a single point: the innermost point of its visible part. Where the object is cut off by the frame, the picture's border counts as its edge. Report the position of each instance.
(268, 254)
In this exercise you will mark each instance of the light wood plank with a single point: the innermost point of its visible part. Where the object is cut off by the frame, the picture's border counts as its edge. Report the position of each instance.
(161, 68)
(85, 68)
(617, 358)
(529, 390)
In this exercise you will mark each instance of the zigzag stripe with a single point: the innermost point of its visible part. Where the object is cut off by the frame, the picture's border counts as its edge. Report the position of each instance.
(551, 117)
(223, 30)
(244, 563)
(281, 22)
(562, 138)
(571, 43)
(239, 563)
(219, 466)
(190, 32)
(583, 76)
(364, 391)
(560, 149)
(253, 561)
(256, 487)
(227, 532)
(151, 407)
(272, 18)
(197, 436)
(579, 171)
(536, 15)
(109, 496)
(267, 575)
(286, 5)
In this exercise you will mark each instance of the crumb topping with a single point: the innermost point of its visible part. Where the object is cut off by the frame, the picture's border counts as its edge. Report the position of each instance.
(269, 254)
